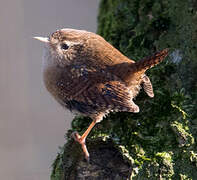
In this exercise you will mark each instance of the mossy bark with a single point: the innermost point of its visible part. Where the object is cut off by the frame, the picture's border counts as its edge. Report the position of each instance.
(160, 141)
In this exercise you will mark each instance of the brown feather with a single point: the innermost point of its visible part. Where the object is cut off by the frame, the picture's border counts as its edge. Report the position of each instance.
(86, 74)
(92, 76)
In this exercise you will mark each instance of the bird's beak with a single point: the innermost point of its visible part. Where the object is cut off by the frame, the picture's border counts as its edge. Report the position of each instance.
(42, 39)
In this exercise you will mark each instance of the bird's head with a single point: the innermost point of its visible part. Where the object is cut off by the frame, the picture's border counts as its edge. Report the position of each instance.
(69, 45)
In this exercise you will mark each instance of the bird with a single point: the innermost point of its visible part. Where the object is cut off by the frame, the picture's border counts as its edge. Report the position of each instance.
(88, 76)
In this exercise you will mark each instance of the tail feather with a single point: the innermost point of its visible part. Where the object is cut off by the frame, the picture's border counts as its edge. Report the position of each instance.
(135, 71)
(150, 61)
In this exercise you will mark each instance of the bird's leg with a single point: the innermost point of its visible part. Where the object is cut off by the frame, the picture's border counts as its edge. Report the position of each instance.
(81, 139)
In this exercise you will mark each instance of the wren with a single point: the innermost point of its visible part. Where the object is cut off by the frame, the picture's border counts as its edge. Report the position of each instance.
(87, 75)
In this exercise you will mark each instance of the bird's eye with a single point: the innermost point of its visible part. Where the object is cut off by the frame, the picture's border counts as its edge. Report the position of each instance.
(64, 46)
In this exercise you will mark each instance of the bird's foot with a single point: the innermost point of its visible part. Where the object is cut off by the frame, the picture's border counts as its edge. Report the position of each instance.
(81, 141)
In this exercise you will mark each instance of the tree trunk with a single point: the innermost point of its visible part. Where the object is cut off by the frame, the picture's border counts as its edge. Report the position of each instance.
(160, 141)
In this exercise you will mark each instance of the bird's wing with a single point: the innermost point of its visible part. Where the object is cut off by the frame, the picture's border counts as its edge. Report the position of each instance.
(92, 92)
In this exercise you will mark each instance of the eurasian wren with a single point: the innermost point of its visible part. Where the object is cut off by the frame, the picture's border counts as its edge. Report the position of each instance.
(86, 74)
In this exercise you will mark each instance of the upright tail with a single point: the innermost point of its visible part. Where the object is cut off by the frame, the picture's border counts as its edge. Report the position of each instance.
(150, 61)
(136, 70)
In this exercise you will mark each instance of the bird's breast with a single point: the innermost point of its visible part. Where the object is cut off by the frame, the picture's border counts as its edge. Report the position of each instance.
(50, 77)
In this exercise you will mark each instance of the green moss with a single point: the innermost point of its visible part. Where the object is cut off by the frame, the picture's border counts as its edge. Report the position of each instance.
(166, 123)
(160, 141)
(183, 137)
(65, 161)
(57, 172)
(184, 177)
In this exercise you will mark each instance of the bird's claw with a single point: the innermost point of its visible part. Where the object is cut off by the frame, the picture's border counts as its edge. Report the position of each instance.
(75, 135)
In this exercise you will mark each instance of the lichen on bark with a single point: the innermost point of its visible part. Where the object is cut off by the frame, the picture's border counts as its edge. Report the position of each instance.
(160, 141)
